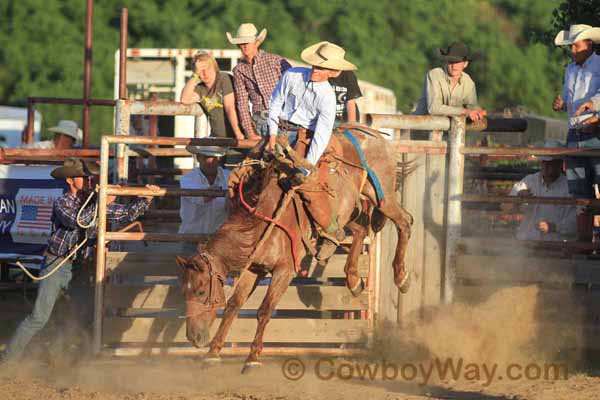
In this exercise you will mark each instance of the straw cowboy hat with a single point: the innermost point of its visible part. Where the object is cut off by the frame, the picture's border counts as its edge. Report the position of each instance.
(68, 128)
(74, 167)
(208, 151)
(550, 144)
(577, 33)
(247, 33)
(327, 55)
(457, 52)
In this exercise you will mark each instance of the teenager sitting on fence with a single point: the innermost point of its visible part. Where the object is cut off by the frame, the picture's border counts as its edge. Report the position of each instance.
(213, 91)
(449, 90)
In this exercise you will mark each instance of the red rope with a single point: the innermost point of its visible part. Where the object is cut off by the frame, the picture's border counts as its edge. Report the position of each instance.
(252, 210)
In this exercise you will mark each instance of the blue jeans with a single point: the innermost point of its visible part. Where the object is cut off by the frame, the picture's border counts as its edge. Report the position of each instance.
(261, 119)
(48, 292)
(582, 172)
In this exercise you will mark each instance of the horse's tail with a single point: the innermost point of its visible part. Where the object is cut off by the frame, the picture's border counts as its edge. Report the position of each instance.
(403, 170)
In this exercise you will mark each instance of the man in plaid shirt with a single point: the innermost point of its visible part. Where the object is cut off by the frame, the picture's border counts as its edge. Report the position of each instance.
(66, 235)
(254, 79)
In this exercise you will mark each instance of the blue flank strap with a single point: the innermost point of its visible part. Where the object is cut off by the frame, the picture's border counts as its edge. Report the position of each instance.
(372, 176)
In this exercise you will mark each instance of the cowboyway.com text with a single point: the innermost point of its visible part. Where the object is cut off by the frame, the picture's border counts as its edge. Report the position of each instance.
(423, 372)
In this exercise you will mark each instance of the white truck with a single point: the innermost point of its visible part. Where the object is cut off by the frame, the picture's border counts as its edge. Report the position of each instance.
(12, 123)
(164, 72)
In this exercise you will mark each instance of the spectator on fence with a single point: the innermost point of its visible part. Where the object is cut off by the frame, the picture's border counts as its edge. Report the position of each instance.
(545, 221)
(254, 79)
(69, 219)
(66, 135)
(345, 86)
(204, 215)
(213, 91)
(449, 90)
(581, 84)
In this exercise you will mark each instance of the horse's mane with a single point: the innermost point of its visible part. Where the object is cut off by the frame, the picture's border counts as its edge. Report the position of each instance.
(235, 239)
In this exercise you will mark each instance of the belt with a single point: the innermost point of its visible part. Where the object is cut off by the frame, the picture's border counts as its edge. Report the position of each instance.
(289, 126)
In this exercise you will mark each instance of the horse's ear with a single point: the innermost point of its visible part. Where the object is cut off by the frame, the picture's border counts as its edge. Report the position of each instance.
(181, 261)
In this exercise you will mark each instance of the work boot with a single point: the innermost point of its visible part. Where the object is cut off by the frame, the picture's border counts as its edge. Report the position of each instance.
(329, 244)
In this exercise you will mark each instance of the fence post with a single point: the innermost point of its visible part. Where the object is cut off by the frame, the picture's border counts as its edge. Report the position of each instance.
(456, 167)
(100, 249)
(122, 121)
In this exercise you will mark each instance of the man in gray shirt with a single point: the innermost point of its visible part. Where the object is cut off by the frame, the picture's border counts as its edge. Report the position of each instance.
(448, 90)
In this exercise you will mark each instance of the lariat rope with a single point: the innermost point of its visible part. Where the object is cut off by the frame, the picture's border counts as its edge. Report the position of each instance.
(74, 251)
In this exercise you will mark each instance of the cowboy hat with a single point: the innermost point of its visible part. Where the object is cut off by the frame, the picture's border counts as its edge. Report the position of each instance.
(457, 52)
(68, 128)
(208, 151)
(327, 55)
(247, 33)
(74, 167)
(550, 144)
(577, 33)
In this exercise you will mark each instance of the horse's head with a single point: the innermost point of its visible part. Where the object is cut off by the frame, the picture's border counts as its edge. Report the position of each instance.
(203, 281)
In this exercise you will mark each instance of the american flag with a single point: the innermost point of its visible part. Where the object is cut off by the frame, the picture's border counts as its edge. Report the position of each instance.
(35, 217)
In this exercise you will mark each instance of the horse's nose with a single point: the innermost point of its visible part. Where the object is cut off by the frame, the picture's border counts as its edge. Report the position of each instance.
(201, 338)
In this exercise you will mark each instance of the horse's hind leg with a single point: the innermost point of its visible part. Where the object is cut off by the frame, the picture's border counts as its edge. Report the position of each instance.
(353, 281)
(403, 220)
(279, 284)
(245, 286)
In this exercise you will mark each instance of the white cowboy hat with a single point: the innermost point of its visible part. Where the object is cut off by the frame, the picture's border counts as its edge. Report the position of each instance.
(577, 33)
(208, 151)
(68, 128)
(551, 144)
(327, 55)
(247, 33)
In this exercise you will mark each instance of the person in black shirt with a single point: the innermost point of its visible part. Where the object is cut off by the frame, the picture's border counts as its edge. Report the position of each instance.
(345, 86)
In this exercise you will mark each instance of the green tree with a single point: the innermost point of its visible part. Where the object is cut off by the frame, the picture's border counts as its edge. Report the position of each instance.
(393, 43)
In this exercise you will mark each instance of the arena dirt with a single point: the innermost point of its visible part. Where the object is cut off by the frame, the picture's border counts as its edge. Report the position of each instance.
(502, 330)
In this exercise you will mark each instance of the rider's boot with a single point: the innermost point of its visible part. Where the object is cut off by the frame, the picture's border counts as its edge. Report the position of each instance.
(331, 239)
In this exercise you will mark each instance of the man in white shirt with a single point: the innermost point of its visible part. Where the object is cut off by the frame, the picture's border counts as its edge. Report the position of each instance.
(204, 215)
(545, 221)
(304, 104)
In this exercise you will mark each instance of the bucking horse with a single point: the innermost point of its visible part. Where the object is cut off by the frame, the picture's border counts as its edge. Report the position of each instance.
(270, 228)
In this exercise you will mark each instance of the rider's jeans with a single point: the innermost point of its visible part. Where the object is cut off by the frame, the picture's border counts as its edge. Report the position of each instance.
(48, 291)
(261, 119)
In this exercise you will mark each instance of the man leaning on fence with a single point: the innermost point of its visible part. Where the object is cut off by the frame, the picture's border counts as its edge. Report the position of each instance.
(449, 90)
(254, 79)
(545, 221)
(71, 240)
(581, 84)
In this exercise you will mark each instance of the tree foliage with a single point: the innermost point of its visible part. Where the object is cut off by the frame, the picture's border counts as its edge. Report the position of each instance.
(393, 43)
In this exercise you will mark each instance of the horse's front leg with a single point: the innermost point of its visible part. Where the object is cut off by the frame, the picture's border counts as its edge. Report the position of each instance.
(279, 284)
(245, 286)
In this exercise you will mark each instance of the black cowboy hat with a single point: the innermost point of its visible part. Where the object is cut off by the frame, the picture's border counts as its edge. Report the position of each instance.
(74, 167)
(457, 52)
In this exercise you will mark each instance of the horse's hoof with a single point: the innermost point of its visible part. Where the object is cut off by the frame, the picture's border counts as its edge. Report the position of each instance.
(212, 359)
(250, 365)
(358, 289)
(404, 284)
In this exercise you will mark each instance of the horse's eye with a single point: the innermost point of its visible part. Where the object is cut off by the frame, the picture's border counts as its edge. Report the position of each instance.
(199, 292)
